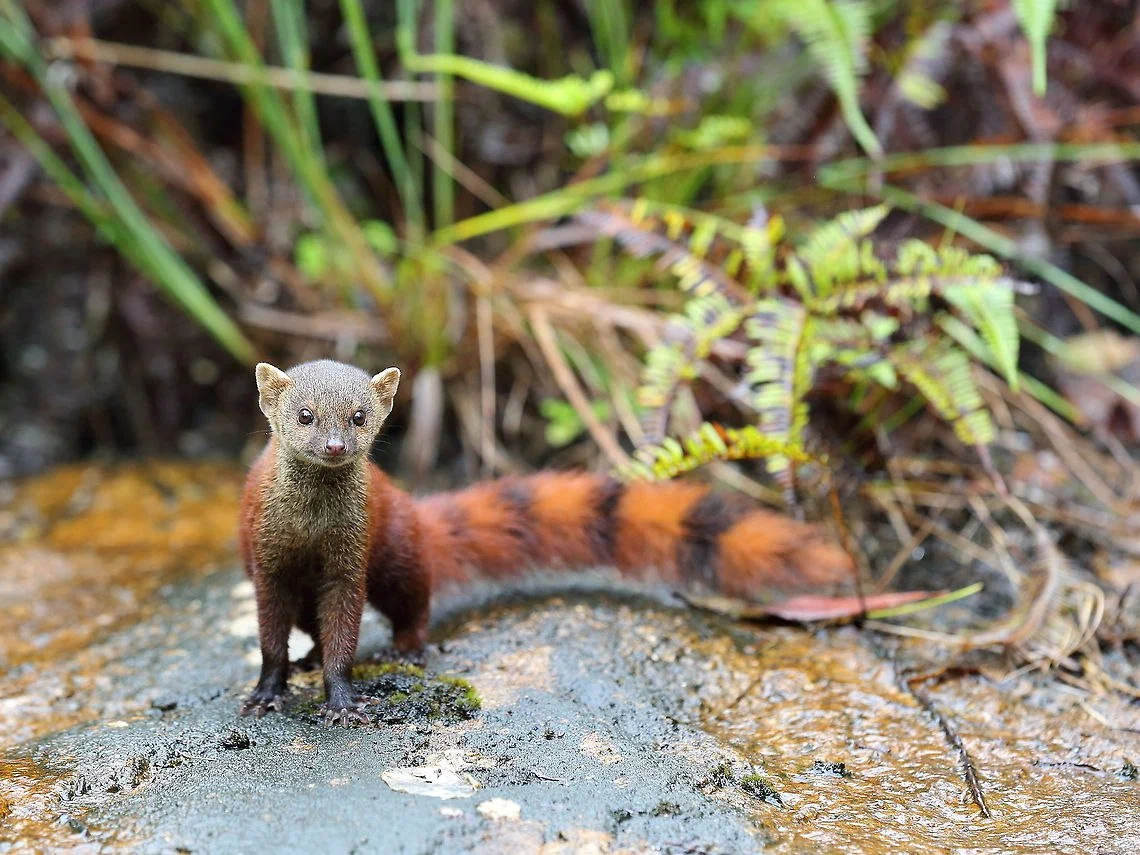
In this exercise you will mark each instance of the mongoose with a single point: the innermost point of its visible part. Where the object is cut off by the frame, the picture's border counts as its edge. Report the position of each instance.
(323, 530)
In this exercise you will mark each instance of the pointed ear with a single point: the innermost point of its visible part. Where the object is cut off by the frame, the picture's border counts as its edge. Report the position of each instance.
(271, 382)
(385, 384)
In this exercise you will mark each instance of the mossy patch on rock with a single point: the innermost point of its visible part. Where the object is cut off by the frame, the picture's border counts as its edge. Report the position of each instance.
(400, 692)
(375, 670)
(720, 776)
(758, 788)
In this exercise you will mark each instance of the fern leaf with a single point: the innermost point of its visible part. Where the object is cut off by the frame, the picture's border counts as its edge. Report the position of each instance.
(835, 253)
(705, 321)
(780, 374)
(989, 307)
(640, 233)
(707, 444)
(942, 373)
(758, 242)
(836, 33)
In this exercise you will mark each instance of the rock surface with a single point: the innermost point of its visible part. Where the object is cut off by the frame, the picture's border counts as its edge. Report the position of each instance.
(580, 719)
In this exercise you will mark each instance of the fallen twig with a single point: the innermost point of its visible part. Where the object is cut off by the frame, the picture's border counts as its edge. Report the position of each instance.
(969, 770)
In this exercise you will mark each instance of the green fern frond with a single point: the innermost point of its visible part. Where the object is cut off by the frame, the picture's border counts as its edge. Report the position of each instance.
(834, 303)
(705, 321)
(665, 367)
(707, 444)
(836, 253)
(989, 307)
(943, 374)
(780, 374)
(836, 33)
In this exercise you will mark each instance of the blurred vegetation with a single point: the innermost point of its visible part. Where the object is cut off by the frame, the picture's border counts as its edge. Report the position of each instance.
(662, 230)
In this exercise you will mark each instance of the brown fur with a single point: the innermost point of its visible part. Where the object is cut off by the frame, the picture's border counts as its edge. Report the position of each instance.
(320, 535)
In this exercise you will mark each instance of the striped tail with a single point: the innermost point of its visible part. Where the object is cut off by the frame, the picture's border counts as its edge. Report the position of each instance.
(677, 532)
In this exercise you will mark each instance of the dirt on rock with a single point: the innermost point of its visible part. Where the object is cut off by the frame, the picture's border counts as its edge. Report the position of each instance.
(574, 718)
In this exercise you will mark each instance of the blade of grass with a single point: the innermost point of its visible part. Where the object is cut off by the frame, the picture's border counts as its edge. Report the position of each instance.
(929, 603)
(443, 119)
(573, 197)
(974, 155)
(292, 37)
(609, 25)
(306, 165)
(1060, 348)
(67, 181)
(365, 56)
(407, 22)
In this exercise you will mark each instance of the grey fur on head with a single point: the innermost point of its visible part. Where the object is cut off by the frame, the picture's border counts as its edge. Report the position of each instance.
(324, 412)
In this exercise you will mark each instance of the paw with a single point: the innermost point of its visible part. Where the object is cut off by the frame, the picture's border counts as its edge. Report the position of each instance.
(395, 653)
(259, 703)
(346, 716)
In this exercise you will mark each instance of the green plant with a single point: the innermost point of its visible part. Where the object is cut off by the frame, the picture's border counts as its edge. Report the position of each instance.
(1036, 19)
(563, 424)
(831, 306)
(836, 34)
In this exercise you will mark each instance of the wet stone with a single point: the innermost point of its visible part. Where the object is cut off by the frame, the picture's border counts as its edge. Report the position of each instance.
(592, 719)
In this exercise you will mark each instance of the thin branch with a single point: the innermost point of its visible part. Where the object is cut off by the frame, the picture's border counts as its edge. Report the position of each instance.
(564, 375)
(969, 770)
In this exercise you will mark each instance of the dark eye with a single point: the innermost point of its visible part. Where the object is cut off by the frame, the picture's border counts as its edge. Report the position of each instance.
(358, 418)
(305, 417)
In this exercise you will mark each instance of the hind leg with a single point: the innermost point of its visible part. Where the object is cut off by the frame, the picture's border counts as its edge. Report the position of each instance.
(407, 605)
(307, 623)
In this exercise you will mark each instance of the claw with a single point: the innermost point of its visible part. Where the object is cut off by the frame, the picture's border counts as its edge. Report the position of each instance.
(259, 704)
(346, 716)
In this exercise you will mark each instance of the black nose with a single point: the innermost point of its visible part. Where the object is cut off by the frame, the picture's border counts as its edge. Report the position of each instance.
(334, 447)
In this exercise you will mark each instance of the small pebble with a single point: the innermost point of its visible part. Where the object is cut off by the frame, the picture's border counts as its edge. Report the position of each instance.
(499, 809)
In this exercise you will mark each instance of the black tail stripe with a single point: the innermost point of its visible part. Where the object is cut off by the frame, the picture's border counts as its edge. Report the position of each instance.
(518, 496)
(697, 552)
(603, 528)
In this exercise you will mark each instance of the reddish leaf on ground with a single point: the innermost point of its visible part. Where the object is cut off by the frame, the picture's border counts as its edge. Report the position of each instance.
(808, 607)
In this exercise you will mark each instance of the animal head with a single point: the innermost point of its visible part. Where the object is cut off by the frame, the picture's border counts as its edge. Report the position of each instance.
(326, 413)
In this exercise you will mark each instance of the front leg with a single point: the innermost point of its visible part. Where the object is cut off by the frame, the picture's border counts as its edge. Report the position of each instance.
(338, 616)
(276, 611)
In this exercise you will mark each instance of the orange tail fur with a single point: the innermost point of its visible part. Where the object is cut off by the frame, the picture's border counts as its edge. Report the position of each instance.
(678, 532)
